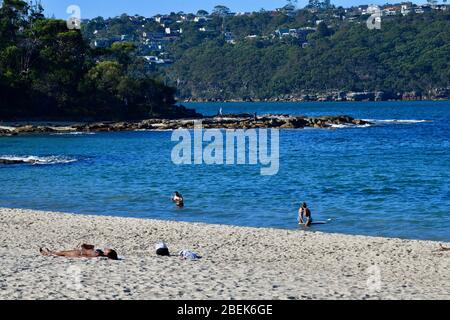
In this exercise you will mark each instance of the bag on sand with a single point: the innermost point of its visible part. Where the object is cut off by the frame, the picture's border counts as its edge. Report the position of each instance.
(189, 255)
(161, 249)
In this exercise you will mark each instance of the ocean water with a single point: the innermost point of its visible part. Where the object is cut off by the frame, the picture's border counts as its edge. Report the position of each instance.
(389, 179)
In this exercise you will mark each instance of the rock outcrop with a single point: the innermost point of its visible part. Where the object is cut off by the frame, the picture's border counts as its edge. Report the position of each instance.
(233, 121)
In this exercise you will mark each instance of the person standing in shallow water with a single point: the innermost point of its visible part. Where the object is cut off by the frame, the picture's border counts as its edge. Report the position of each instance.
(304, 215)
(178, 199)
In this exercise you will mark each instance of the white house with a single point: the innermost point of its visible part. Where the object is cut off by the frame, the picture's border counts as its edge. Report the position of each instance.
(201, 19)
(406, 9)
(154, 59)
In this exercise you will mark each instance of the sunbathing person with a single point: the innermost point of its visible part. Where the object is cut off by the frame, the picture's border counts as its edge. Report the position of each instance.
(85, 251)
(442, 248)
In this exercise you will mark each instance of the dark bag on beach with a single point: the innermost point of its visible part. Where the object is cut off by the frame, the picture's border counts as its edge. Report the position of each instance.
(162, 250)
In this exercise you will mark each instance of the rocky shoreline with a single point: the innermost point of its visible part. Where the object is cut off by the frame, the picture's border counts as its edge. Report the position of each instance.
(341, 96)
(232, 121)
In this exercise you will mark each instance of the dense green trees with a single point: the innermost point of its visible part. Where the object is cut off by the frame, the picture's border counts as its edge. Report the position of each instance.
(48, 72)
(410, 53)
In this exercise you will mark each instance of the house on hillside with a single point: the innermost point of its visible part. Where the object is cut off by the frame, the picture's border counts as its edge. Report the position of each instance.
(164, 21)
(201, 19)
(205, 29)
(280, 33)
(442, 7)
(390, 10)
(363, 10)
(187, 17)
(239, 14)
(353, 12)
(299, 33)
(406, 8)
(102, 43)
(126, 37)
(422, 9)
(154, 46)
(154, 60)
(172, 31)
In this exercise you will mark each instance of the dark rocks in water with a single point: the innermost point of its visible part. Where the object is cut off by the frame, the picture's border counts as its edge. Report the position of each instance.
(234, 121)
(10, 161)
(360, 122)
(7, 133)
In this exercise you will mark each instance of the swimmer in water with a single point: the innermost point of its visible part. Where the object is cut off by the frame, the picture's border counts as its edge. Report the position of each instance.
(178, 199)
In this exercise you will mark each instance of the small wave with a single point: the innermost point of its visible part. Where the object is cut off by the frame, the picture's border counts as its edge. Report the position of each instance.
(35, 160)
(72, 133)
(394, 121)
(342, 126)
(152, 130)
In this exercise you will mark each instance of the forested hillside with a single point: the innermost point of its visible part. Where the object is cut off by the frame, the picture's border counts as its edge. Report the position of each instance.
(320, 50)
(408, 54)
(48, 71)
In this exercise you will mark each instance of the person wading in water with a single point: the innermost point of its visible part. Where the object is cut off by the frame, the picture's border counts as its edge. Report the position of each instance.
(304, 215)
(178, 199)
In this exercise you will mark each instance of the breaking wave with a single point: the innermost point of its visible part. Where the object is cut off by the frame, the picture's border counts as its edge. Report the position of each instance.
(396, 121)
(77, 133)
(36, 160)
(342, 126)
(377, 122)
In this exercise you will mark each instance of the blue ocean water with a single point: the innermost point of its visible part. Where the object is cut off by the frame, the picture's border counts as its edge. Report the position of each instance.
(390, 179)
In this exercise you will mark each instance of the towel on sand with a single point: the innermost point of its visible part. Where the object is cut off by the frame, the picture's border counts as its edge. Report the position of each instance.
(188, 255)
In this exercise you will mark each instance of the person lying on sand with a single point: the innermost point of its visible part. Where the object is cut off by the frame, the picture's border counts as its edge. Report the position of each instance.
(442, 248)
(178, 199)
(85, 251)
(304, 215)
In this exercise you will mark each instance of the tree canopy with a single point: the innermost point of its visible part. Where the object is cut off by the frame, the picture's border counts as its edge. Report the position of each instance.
(322, 49)
(409, 54)
(49, 72)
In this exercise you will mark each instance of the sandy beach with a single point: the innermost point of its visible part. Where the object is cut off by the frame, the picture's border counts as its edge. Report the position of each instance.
(237, 263)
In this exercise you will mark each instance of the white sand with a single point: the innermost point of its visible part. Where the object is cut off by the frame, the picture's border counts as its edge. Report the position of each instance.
(238, 263)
